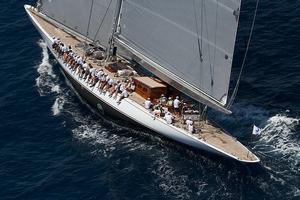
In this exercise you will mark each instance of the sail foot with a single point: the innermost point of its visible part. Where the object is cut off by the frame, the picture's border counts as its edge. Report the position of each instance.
(170, 78)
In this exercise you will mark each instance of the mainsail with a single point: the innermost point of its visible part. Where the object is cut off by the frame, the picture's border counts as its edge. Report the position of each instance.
(189, 44)
(91, 18)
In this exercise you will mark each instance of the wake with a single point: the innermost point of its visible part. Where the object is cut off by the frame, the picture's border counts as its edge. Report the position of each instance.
(47, 81)
(278, 142)
(279, 145)
(279, 138)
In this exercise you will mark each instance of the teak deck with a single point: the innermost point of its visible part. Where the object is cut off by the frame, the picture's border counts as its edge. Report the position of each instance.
(208, 133)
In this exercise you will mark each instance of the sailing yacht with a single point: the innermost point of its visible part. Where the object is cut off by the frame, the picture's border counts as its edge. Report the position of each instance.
(186, 46)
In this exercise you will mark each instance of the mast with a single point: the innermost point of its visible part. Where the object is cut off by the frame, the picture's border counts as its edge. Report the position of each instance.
(115, 26)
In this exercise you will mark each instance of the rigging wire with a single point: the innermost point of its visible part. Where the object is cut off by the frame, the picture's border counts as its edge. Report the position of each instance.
(102, 21)
(199, 43)
(212, 70)
(202, 18)
(197, 31)
(244, 59)
(208, 45)
(88, 27)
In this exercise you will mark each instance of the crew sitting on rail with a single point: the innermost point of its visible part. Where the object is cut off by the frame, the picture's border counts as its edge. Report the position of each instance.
(69, 57)
(109, 82)
(94, 78)
(71, 60)
(122, 87)
(86, 73)
(123, 95)
(60, 52)
(102, 82)
(56, 41)
(66, 51)
(79, 69)
(89, 74)
(115, 90)
(112, 89)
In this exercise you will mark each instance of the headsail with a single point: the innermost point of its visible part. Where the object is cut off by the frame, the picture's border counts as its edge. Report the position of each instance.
(189, 44)
(76, 15)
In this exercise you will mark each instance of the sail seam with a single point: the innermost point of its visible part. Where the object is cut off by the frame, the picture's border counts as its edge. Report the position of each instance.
(182, 28)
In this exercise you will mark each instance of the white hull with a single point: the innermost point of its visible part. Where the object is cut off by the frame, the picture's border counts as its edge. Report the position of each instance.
(134, 111)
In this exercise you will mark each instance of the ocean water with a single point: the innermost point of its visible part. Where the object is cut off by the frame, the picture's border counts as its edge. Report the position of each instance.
(53, 146)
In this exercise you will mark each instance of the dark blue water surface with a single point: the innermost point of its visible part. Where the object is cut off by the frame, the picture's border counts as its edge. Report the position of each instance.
(52, 146)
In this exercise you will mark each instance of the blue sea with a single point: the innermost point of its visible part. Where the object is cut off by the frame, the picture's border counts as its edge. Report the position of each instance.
(54, 146)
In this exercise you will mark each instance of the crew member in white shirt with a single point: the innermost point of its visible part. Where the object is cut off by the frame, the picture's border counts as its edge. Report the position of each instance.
(122, 87)
(148, 104)
(169, 118)
(124, 94)
(188, 122)
(176, 104)
(110, 82)
(191, 128)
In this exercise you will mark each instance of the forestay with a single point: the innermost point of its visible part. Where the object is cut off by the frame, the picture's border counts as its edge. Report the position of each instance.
(192, 40)
(75, 14)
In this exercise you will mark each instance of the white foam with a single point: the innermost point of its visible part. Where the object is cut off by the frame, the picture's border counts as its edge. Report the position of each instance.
(278, 134)
(46, 82)
(58, 106)
(45, 66)
(295, 192)
(278, 143)
(56, 88)
(168, 180)
(97, 137)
